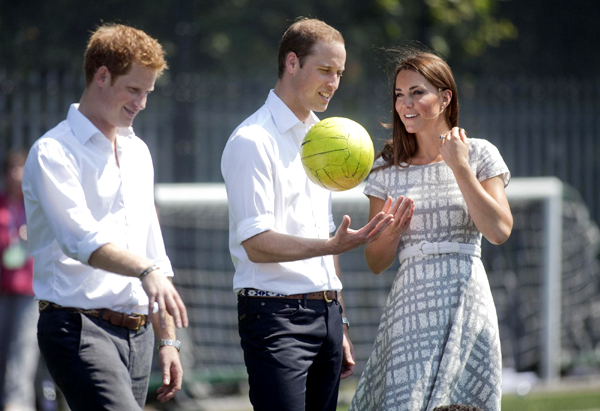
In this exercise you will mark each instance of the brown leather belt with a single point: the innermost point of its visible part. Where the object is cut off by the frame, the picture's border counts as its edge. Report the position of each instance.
(328, 296)
(130, 321)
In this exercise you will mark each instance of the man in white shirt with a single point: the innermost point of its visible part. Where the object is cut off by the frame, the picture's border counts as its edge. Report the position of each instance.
(290, 308)
(99, 256)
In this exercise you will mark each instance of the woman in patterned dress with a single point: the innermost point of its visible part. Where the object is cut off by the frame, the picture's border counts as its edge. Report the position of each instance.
(437, 342)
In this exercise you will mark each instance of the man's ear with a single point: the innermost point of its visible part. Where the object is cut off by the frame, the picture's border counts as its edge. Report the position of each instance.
(102, 77)
(291, 62)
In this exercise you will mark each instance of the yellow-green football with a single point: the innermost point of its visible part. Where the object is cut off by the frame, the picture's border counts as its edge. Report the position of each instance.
(337, 153)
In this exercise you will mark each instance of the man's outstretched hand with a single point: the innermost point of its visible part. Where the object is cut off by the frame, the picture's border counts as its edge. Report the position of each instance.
(346, 239)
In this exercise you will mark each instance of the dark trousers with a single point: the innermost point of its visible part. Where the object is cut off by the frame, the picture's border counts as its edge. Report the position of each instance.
(97, 365)
(293, 352)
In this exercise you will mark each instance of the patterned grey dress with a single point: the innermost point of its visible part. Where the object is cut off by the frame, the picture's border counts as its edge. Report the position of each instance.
(437, 342)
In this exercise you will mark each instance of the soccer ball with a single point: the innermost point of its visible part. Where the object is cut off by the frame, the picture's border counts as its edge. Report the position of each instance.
(337, 153)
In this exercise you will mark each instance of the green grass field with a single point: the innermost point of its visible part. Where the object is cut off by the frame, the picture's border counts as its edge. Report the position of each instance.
(567, 396)
(576, 400)
(553, 401)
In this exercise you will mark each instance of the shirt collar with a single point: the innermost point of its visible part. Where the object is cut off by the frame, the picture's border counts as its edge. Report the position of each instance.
(84, 129)
(284, 118)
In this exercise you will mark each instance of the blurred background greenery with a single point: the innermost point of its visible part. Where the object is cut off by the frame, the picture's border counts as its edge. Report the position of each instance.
(240, 36)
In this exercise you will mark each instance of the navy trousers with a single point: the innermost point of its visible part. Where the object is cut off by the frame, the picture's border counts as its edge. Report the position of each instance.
(293, 352)
(96, 365)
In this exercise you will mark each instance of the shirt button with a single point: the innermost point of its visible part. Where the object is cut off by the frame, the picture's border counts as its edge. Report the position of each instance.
(263, 303)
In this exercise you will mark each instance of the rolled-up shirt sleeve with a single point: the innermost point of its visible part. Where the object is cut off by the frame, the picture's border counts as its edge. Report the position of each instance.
(54, 192)
(155, 249)
(248, 174)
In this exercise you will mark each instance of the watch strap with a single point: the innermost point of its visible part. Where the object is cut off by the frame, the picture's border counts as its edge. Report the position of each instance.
(147, 271)
(172, 343)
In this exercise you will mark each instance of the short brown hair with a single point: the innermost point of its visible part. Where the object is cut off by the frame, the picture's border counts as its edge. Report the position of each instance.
(403, 144)
(300, 38)
(117, 47)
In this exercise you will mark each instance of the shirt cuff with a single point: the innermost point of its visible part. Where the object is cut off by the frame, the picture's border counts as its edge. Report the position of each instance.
(255, 225)
(165, 266)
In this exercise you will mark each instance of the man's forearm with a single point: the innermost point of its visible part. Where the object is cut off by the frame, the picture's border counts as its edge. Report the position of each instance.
(115, 259)
(274, 247)
(167, 333)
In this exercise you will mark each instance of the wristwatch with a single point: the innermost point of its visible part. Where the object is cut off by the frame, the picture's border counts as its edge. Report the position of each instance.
(345, 321)
(172, 343)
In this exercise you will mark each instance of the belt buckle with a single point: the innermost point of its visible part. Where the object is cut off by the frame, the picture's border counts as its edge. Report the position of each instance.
(140, 317)
(421, 244)
(43, 305)
(327, 300)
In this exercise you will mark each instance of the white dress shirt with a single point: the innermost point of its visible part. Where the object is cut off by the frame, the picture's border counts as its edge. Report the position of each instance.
(77, 199)
(267, 189)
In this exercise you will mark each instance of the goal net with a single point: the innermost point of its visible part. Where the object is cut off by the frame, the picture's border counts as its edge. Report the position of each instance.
(545, 279)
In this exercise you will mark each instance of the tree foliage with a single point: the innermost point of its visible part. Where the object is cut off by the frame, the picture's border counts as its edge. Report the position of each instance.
(241, 36)
(471, 23)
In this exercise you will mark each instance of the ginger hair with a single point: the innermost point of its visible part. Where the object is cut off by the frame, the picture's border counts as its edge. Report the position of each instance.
(117, 47)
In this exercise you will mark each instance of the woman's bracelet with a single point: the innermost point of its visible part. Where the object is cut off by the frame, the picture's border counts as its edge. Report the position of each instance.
(147, 271)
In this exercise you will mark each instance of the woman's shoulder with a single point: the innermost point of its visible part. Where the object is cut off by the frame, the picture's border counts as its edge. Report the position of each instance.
(382, 166)
(482, 148)
(379, 162)
(377, 184)
(487, 160)
(480, 143)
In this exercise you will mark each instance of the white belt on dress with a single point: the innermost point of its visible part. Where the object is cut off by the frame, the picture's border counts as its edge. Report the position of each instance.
(425, 248)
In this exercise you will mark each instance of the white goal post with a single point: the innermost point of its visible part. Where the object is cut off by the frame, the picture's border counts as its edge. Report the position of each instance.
(547, 190)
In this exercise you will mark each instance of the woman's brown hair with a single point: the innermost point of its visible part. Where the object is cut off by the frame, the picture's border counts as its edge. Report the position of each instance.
(403, 145)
